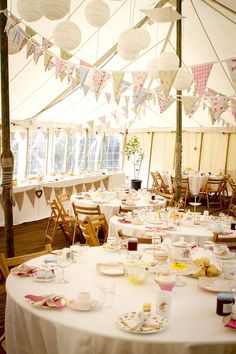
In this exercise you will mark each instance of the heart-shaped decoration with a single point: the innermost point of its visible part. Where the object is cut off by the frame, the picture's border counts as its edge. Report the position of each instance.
(39, 193)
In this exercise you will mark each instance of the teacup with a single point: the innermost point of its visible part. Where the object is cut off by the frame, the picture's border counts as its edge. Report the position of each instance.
(229, 269)
(84, 298)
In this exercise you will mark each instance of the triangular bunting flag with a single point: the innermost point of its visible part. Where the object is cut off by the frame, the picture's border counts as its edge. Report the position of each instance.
(190, 103)
(58, 190)
(76, 80)
(84, 188)
(105, 182)
(47, 60)
(29, 48)
(102, 119)
(200, 76)
(65, 55)
(166, 80)
(231, 63)
(165, 14)
(108, 97)
(31, 195)
(69, 190)
(219, 104)
(78, 188)
(139, 79)
(164, 102)
(97, 184)
(46, 43)
(30, 31)
(90, 124)
(233, 107)
(117, 79)
(19, 198)
(69, 69)
(88, 186)
(60, 66)
(37, 52)
(100, 78)
(84, 69)
(47, 192)
(23, 135)
(140, 98)
(86, 89)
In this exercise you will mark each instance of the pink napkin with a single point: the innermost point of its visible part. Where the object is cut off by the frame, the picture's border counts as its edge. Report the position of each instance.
(231, 324)
(123, 221)
(46, 301)
(24, 270)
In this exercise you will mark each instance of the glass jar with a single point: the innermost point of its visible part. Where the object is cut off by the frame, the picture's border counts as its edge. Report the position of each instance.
(224, 304)
(132, 244)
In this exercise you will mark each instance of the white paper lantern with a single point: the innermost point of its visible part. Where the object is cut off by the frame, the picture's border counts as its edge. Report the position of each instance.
(168, 61)
(127, 53)
(129, 44)
(55, 9)
(97, 13)
(144, 38)
(29, 10)
(153, 68)
(183, 80)
(67, 35)
(13, 46)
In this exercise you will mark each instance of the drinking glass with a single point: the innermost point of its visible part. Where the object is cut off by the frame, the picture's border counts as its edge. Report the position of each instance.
(166, 280)
(63, 261)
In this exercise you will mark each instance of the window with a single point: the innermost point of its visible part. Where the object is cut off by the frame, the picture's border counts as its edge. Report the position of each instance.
(60, 152)
(15, 151)
(112, 153)
(71, 153)
(92, 150)
(37, 148)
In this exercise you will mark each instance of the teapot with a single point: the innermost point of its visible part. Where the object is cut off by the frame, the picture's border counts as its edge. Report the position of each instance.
(181, 250)
(137, 272)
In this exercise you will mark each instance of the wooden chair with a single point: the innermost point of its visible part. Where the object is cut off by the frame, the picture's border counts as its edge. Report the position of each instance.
(158, 183)
(126, 209)
(230, 241)
(81, 212)
(170, 198)
(213, 192)
(58, 220)
(140, 239)
(184, 188)
(232, 202)
(63, 199)
(90, 229)
(7, 263)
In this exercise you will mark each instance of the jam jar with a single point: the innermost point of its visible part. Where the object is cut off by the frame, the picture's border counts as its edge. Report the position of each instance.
(224, 304)
(132, 244)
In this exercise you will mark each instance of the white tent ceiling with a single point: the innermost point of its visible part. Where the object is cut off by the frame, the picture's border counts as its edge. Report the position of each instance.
(208, 37)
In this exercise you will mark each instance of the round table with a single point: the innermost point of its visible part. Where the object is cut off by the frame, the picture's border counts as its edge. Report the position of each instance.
(194, 327)
(110, 203)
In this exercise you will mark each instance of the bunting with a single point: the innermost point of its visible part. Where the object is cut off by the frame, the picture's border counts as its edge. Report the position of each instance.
(231, 63)
(105, 182)
(117, 80)
(219, 104)
(69, 190)
(84, 69)
(19, 198)
(31, 195)
(233, 108)
(100, 78)
(190, 104)
(88, 186)
(97, 184)
(78, 188)
(139, 79)
(163, 101)
(58, 190)
(166, 80)
(47, 192)
(200, 76)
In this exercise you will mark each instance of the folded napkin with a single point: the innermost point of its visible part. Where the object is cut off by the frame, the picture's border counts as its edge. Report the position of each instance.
(24, 270)
(141, 322)
(47, 301)
(231, 323)
(124, 221)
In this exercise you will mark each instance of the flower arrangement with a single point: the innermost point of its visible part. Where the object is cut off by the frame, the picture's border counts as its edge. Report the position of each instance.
(135, 154)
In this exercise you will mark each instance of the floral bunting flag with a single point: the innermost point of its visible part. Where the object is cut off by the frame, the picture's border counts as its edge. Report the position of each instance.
(29, 49)
(69, 69)
(31, 195)
(140, 98)
(200, 76)
(84, 69)
(47, 60)
(14, 19)
(9, 24)
(46, 44)
(47, 192)
(231, 63)
(233, 108)
(19, 198)
(60, 66)
(219, 104)
(108, 97)
(117, 77)
(102, 119)
(139, 79)
(164, 102)
(166, 80)
(65, 55)
(190, 104)
(100, 78)
(37, 52)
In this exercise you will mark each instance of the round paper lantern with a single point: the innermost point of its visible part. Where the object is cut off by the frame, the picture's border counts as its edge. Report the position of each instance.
(153, 68)
(55, 9)
(29, 10)
(67, 35)
(183, 80)
(127, 53)
(13, 46)
(144, 38)
(97, 13)
(168, 61)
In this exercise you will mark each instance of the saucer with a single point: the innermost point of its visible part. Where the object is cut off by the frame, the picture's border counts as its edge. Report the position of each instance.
(156, 323)
(93, 305)
(110, 268)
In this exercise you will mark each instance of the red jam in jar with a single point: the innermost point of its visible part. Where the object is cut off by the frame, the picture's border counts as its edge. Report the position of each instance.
(132, 244)
(224, 304)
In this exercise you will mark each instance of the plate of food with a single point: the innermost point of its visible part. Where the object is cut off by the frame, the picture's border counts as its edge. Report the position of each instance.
(206, 268)
(185, 268)
(132, 322)
(112, 268)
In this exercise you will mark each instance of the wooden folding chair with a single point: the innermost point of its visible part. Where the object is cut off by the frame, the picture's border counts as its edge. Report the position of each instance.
(230, 241)
(126, 209)
(213, 192)
(81, 212)
(232, 202)
(158, 183)
(140, 239)
(7, 263)
(90, 229)
(62, 200)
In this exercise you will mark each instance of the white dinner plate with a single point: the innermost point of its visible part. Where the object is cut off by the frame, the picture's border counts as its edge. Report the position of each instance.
(215, 284)
(93, 305)
(110, 268)
(158, 323)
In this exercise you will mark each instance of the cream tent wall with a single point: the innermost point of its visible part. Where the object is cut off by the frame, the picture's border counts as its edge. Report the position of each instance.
(205, 152)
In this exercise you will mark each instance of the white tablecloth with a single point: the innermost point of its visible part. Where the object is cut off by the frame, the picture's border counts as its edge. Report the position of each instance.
(191, 233)
(113, 206)
(194, 327)
(41, 210)
(196, 182)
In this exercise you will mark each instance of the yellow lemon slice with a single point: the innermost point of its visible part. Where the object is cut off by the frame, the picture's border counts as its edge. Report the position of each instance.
(179, 266)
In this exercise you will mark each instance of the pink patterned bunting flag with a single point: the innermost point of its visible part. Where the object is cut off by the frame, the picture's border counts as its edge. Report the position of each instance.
(231, 63)
(60, 66)
(219, 104)
(102, 119)
(164, 102)
(139, 79)
(200, 76)
(233, 107)
(37, 52)
(108, 97)
(100, 77)
(46, 43)
(69, 69)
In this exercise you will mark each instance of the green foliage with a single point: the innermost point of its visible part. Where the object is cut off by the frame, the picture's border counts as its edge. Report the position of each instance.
(135, 154)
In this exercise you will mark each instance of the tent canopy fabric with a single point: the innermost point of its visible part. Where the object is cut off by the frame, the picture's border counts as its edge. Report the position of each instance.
(38, 98)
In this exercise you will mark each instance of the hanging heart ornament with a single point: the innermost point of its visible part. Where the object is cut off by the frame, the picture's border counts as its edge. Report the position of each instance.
(39, 193)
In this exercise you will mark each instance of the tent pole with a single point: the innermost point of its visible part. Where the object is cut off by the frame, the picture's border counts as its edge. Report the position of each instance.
(178, 143)
(227, 153)
(200, 153)
(6, 156)
(150, 157)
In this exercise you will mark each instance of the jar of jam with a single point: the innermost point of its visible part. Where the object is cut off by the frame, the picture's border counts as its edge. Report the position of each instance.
(224, 304)
(132, 244)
